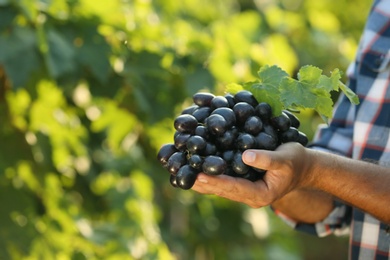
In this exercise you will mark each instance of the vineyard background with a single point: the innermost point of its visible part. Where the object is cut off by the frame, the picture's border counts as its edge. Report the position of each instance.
(88, 93)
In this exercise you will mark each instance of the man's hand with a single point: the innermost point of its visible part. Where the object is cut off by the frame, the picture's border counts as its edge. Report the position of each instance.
(287, 169)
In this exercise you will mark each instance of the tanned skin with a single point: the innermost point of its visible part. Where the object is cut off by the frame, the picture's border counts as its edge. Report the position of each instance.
(300, 179)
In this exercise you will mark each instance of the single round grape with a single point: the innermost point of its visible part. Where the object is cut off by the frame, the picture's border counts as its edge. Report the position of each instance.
(201, 114)
(253, 125)
(216, 124)
(196, 144)
(246, 96)
(266, 141)
(195, 161)
(245, 141)
(202, 131)
(281, 122)
(227, 140)
(186, 177)
(219, 101)
(185, 123)
(180, 141)
(227, 113)
(243, 111)
(176, 161)
(165, 152)
(230, 99)
(293, 118)
(202, 99)
(238, 164)
(302, 139)
(264, 111)
(211, 149)
(228, 156)
(214, 165)
(172, 180)
(253, 175)
(189, 110)
(290, 135)
(269, 129)
(230, 172)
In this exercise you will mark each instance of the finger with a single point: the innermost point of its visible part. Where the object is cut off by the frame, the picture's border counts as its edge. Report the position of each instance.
(261, 159)
(236, 189)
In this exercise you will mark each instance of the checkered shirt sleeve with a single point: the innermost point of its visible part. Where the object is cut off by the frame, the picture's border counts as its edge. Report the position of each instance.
(361, 132)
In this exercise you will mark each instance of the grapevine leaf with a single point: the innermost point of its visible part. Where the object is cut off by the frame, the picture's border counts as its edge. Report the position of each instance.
(265, 93)
(296, 94)
(309, 75)
(267, 89)
(349, 94)
(271, 76)
(324, 106)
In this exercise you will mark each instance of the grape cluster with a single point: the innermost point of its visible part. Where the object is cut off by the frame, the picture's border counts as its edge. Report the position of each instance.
(212, 134)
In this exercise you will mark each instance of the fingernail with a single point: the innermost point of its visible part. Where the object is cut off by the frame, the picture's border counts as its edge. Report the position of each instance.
(249, 156)
(202, 179)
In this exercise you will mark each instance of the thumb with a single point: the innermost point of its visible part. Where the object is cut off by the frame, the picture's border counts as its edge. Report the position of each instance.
(261, 159)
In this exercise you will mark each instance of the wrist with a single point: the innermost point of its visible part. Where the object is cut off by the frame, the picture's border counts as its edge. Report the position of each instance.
(310, 169)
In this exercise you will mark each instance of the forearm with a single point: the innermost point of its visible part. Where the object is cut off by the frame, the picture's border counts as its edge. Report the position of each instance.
(360, 184)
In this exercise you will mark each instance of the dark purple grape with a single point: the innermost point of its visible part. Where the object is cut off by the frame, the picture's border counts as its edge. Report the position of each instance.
(211, 149)
(214, 165)
(291, 135)
(227, 140)
(202, 131)
(189, 110)
(219, 101)
(165, 152)
(229, 171)
(216, 124)
(202, 99)
(180, 141)
(228, 156)
(186, 177)
(227, 113)
(264, 111)
(195, 161)
(253, 125)
(266, 141)
(293, 118)
(238, 164)
(230, 99)
(254, 175)
(196, 144)
(302, 139)
(172, 180)
(201, 114)
(243, 111)
(247, 97)
(281, 122)
(176, 161)
(245, 141)
(185, 123)
(269, 129)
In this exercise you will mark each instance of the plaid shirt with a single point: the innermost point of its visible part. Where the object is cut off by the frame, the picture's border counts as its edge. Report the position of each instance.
(361, 132)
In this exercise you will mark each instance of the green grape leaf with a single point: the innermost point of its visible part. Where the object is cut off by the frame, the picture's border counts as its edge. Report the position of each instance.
(271, 76)
(296, 94)
(267, 87)
(349, 94)
(310, 90)
(309, 75)
(265, 93)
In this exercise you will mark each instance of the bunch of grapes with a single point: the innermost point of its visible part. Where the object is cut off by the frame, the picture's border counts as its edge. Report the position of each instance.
(212, 134)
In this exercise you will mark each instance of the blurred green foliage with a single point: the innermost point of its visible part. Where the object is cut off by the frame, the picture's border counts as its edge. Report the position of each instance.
(88, 91)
